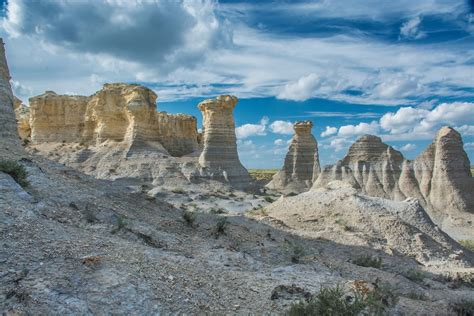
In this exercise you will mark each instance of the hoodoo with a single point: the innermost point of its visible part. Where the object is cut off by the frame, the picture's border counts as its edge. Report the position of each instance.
(9, 141)
(439, 178)
(301, 162)
(219, 158)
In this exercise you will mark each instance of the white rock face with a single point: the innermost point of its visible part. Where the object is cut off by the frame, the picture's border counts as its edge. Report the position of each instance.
(301, 162)
(439, 178)
(9, 140)
(219, 158)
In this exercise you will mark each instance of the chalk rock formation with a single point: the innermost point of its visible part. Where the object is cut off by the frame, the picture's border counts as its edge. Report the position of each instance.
(16, 103)
(443, 175)
(439, 178)
(371, 166)
(57, 118)
(301, 162)
(22, 113)
(9, 141)
(119, 112)
(219, 158)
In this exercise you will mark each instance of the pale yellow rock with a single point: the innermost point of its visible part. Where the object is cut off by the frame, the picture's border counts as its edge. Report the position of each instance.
(22, 113)
(119, 112)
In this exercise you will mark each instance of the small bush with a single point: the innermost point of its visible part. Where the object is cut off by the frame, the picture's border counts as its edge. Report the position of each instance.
(368, 261)
(417, 296)
(464, 308)
(468, 244)
(178, 191)
(15, 170)
(89, 215)
(298, 253)
(415, 275)
(221, 226)
(26, 141)
(120, 224)
(269, 199)
(189, 218)
(329, 301)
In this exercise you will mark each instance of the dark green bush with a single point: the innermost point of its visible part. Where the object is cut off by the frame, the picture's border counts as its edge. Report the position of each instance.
(189, 217)
(15, 170)
(368, 261)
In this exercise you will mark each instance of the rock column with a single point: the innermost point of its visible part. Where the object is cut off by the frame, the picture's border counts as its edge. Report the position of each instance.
(9, 140)
(301, 162)
(219, 159)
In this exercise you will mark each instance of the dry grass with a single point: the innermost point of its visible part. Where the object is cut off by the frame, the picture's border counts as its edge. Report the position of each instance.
(262, 175)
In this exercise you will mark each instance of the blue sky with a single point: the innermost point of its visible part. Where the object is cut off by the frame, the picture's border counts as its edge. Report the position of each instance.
(397, 69)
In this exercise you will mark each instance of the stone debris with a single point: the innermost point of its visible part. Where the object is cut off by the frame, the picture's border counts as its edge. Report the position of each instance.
(301, 164)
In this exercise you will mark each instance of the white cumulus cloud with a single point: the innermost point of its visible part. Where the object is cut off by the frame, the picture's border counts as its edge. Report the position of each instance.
(408, 147)
(248, 130)
(282, 127)
(359, 129)
(329, 131)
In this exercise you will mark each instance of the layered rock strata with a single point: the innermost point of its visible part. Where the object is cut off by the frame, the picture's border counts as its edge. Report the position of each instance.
(439, 178)
(301, 162)
(219, 158)
(9, 140)
(119, 112)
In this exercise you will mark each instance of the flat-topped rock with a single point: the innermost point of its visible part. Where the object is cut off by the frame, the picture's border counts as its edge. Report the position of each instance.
(219, 158)
(301, 162)
(118, 112)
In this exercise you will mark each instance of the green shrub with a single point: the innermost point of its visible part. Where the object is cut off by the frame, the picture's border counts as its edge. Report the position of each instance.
(469, 244)
(189, 218)
(15, 170)
(221, 226)
(298, 253)
(417, 296)
(120, 224)
(464, 308)
(269, 199)
(329, 301)
(178, 191)
(415, 275)
(368, 261)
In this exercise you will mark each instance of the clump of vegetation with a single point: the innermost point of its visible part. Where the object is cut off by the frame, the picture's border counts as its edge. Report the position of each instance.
(368, 261)
(189, 217)
(269, 199)
(221, 226)
(343, 223)
(217, 211)
(417, 296)
(415, 275)
(15, 170)
(26, 141)
(298, 253)
(262, 176)
(178, 191)
(258, 211)
(120, 224)
(332, 301)
(468, 244)
(89, 215)
(464, 308)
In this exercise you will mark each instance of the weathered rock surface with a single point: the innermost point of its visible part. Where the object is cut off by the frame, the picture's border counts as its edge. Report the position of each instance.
(119, 112)
(439, 178)
(219, 158)
(301, 162)
(339, 212)
(22, 114)
(9, 140)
